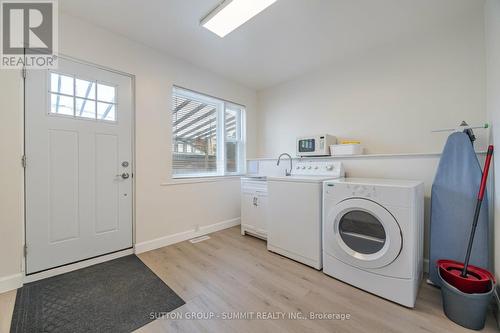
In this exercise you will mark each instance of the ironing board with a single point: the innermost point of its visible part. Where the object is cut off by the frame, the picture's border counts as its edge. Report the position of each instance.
(453, 200)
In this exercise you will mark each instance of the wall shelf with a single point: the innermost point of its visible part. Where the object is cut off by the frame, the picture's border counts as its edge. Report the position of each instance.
(366, 156)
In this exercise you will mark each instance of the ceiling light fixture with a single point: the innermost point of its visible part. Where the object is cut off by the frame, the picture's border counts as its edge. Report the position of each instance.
(230, 14)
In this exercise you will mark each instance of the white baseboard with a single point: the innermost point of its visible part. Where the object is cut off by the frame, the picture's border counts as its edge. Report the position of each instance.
(16, 281)
(183, 236)
(11, 282)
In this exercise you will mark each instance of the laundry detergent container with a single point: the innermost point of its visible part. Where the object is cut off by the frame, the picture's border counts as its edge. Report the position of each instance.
(467, 310)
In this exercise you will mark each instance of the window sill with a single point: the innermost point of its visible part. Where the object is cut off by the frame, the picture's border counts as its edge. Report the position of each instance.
(200, 179)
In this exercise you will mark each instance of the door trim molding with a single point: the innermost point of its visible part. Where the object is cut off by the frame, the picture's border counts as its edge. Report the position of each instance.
(78, 265)
(89, 63)
(185, 235)
(497, 305)
(24, 277)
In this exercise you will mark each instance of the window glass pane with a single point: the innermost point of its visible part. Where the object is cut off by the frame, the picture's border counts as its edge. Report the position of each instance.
(207, 135)
(106, 111)
(85, 89)
(232, 120)
(82, 96)
(362, 232)
(85, 108)
(231, 157)
(62, 84)
(60, 104)
(106, 93)
(194, 124)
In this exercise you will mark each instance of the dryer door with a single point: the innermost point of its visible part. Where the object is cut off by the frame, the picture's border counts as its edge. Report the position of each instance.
(364, 233)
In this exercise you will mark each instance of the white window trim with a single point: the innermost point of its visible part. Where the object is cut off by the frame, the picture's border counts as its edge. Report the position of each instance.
(199, 180)
(241, 141)
(222, 105)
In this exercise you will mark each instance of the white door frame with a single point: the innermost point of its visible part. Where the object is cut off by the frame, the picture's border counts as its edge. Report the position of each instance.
(106, 257)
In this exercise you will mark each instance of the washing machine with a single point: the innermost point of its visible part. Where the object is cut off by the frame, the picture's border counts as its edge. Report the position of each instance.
(373, 232)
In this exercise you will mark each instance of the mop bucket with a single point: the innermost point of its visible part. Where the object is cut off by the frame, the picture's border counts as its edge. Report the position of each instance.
(477, 281)
(467, 310)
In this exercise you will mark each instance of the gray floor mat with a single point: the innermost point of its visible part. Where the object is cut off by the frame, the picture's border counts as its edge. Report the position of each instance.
(116, 296)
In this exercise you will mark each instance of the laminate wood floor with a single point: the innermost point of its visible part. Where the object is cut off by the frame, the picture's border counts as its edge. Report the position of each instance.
(233, 275)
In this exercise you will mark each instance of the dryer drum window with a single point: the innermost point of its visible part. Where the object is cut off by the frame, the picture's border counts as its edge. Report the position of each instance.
(362, 232)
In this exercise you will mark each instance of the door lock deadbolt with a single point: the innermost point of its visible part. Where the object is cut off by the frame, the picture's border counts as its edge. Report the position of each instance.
(125, 164)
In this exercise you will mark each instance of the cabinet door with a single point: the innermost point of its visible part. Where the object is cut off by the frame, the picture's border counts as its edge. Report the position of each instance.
(248, 211)
(261, 212)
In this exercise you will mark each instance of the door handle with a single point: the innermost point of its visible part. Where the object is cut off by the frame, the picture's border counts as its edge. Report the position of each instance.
(124, 175)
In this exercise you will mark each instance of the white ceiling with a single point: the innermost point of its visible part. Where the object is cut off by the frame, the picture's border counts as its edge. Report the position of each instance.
(288, 39)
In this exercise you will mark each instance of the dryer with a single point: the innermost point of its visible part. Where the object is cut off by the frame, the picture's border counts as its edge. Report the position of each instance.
(373, 235)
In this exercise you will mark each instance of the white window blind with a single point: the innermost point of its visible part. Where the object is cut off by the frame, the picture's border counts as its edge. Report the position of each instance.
(208, 135)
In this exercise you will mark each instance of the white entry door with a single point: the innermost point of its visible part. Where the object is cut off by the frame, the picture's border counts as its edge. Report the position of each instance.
(78, 164)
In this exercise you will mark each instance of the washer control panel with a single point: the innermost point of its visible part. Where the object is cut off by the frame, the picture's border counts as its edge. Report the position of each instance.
(319, 168)
(365, 191)
(353, 190)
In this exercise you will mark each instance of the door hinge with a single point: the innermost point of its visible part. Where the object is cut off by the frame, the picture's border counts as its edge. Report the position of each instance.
(25, 250)
(24, 72)
(23, 161)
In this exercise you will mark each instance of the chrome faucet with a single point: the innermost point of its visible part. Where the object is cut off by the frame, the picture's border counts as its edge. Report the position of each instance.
(287, 173)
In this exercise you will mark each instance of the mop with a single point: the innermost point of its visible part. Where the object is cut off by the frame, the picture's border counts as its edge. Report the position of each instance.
(467, 278)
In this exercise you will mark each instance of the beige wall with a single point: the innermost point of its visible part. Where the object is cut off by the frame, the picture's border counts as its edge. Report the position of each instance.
(163, 208)
(492, 18)
(390, 98)
(429, 81)
(11, 173)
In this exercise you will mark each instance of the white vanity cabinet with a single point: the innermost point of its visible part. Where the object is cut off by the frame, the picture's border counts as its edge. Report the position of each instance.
(254, 207)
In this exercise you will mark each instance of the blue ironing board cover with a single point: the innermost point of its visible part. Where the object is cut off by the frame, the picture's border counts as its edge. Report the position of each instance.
(453, 200)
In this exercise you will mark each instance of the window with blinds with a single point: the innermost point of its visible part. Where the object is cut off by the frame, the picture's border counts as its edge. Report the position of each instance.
(207, 135)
